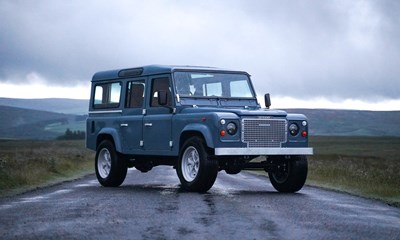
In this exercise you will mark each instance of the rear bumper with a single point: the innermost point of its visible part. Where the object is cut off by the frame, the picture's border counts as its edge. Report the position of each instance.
(262, 151)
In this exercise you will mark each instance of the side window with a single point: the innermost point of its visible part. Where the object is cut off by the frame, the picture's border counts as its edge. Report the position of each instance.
(160, 84)
(98, 95)
(107, 95)
(135, 94)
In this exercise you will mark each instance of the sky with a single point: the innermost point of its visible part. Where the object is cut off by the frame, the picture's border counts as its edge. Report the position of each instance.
(313, 54)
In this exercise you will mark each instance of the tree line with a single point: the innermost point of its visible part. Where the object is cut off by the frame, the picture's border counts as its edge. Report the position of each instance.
(72, 135)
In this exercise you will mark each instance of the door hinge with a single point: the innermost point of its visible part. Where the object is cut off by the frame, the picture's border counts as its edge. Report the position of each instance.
(141, 143)
(171, 144)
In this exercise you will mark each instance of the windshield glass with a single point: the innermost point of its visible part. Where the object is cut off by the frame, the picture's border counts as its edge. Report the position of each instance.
(201, 84)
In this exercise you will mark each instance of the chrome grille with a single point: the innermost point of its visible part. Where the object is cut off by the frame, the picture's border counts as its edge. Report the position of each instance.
(260, 133)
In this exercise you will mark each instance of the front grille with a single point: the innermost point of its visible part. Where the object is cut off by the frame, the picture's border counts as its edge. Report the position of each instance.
(260, 133)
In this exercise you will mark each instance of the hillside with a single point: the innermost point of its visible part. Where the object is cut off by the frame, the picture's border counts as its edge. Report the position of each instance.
(48, 118)
(58, 105)
(19, 123)
(325, 122)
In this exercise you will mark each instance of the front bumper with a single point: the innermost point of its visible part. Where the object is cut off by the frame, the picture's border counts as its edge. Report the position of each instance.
(262, 151)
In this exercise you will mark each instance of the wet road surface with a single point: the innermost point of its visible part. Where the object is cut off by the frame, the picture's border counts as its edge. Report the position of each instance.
(152, 206)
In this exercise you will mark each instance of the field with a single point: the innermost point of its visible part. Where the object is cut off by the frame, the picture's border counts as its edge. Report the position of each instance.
(28, 164)
(365, 166)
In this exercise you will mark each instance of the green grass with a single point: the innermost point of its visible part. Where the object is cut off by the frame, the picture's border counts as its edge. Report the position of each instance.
(29, 164)
(365, 166)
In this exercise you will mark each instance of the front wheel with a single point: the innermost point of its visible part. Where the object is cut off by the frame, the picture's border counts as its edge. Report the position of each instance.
(110, 168)
(196, 172)
(290, 173)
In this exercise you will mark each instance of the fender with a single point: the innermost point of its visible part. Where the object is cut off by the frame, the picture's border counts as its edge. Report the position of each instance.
(114, 134)
(203, 129)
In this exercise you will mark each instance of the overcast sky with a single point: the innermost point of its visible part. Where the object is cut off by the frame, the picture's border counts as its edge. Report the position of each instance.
(298, 49)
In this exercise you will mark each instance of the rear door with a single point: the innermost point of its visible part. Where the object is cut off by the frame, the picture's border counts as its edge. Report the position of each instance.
(132, 119)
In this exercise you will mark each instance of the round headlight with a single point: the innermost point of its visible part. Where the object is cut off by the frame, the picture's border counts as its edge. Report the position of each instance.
(231, 128)
(293, 129)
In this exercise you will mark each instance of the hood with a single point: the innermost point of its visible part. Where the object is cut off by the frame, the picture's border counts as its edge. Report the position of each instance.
(239, 112)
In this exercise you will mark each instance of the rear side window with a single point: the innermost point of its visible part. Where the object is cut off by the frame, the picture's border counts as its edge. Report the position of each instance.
(135, 94)
(107, 95)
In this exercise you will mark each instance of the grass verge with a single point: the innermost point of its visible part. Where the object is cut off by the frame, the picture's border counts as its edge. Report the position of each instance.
(363, 166)
(26, 165)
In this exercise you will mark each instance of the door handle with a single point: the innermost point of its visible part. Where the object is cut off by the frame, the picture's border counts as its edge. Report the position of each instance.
(124, 125)
(148, 124)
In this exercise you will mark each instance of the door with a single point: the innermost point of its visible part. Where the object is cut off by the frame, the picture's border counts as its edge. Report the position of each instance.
(157, 121)
(132, 119)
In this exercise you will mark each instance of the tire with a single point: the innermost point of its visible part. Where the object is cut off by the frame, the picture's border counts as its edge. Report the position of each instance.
(196, 172)
(290, 175)
(110, 168)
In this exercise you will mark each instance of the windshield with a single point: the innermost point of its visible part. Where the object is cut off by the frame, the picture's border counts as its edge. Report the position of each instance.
(201, 84)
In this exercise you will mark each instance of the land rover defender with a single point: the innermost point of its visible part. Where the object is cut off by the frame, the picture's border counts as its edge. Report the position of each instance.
(199, 120)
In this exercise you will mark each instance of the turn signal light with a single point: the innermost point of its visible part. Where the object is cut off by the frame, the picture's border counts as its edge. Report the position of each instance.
(222, 133)
(304, 134)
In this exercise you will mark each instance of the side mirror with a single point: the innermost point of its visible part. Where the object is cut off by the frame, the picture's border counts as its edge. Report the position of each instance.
(162, 98)
(267, 100)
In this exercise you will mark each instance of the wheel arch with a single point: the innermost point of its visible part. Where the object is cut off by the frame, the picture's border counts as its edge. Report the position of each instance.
(112, 136)
(197, 130)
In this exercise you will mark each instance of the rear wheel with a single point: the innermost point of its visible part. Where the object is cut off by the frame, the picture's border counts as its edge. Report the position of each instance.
(196, 172)
(290, 173)
(110, 168)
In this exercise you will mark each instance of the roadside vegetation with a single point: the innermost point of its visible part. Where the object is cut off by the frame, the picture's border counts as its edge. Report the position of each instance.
(365, 166)
(26, 165)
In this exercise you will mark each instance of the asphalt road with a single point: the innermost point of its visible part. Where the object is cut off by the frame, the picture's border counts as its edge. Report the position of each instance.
(152, 206)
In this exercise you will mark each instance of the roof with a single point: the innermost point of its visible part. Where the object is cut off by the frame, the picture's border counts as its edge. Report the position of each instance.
(149, 70)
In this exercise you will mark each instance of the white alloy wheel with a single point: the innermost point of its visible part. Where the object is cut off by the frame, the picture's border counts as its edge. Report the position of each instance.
(104, 163)
(190, 163)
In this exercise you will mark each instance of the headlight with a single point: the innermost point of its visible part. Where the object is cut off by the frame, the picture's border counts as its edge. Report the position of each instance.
(293, 129)
(231, 128)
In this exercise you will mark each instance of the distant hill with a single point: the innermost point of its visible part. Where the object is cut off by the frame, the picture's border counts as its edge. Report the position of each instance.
(351, 122)
(19, 123)
(49, 118)
(58, 105)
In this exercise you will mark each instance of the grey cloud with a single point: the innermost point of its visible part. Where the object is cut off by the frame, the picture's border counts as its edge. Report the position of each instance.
(340, 49)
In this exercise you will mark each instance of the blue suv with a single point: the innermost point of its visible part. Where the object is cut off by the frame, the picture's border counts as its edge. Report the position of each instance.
(199, 120)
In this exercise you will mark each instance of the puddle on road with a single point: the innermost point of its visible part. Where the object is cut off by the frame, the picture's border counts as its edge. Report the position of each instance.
(6, 206)
(169, 190)
(62, 191)
(90, 183)
(32, 199)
